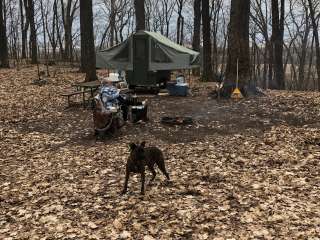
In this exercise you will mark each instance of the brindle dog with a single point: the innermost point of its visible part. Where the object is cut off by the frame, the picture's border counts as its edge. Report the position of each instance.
(141, 156)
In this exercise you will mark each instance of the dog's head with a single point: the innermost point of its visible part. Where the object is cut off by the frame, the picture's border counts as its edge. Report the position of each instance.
(137, 151)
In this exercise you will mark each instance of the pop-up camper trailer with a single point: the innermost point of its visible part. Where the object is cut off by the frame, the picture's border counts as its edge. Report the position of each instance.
(148, 58)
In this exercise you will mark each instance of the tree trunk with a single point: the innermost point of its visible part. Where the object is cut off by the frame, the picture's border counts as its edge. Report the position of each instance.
(196, 25)
(33, 32)
(112, 22)
(180, 22)
(4, 58)
(265, 66)
(310, 65)
(58, 30)
(68, 40)
(207, 62)
(59, 37)
(316, 39)
(88, 56)
(52, 33)
(303, 58)
(238, 44)
(277, 41)
(24, 28)
(140, 15)
(68, 12)
(178, 29)
(13, 32)
(270, 67)
(168, 14)
(196, 29)
(44, 36)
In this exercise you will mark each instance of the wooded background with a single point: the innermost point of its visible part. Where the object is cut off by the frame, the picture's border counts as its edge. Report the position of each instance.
(276, 42)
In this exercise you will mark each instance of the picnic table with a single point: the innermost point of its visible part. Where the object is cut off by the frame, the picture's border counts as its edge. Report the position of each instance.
(92, 86)
(82, 88)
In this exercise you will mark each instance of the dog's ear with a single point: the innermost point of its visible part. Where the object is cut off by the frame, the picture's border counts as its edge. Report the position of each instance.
(132, 146)
(143, 144)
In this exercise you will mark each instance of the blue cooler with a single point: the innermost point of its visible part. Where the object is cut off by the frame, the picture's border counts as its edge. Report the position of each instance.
(177, 89)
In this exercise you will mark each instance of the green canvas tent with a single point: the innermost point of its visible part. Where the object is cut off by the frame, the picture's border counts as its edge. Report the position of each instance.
(148, 58)
(163, 54)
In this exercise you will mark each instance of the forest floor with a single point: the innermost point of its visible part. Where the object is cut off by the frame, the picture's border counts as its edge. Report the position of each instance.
(246, 169)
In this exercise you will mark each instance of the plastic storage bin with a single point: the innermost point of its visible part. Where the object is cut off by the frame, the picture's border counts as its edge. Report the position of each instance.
(177, 89)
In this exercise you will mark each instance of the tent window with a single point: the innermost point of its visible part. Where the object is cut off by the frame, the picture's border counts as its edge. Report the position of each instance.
(123, 55)
(157, 54)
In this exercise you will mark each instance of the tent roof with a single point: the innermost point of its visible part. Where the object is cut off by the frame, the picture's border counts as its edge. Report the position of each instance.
(162, 39)
(166, 41)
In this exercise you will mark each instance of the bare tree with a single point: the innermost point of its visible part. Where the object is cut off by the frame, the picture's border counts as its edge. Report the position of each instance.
(13, 31)
(112, 22)
(260, 19)
(196, 28)
(316, 38)
(29, 6)
(207, 62)
(216, 8)
(52, 28)
(238, 43)
(140, 15)
(4, 59)
(88, 57)
(167, 11)
(44, 34)
(277, 41)
(196, 25)
(125, 14)
(68, 15)
(24, 25)
(119, 16)
(180, 21)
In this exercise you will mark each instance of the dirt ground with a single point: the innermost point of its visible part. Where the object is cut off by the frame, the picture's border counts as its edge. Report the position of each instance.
(244, 170)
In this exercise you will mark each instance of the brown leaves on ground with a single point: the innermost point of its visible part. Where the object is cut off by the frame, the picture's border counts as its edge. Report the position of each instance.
(245, 169)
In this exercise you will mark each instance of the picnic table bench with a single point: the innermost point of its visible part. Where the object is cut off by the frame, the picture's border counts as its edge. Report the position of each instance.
(70, 93)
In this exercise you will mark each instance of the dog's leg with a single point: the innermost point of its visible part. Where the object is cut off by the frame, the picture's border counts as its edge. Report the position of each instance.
(126, 181)
(142, 182)
(162, 168)
(151, 168)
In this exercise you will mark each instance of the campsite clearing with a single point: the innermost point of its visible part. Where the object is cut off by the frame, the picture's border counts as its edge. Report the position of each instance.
(246, 168)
